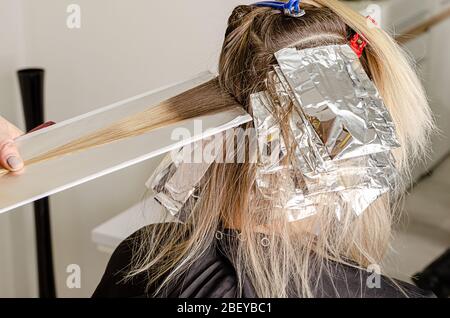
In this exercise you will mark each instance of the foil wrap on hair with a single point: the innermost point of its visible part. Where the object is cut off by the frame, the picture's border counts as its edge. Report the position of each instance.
(177, 179)
(339, 99)
(276, 180)
(342, 134)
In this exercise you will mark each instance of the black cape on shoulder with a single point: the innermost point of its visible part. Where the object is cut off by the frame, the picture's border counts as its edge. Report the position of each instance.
(213, 276)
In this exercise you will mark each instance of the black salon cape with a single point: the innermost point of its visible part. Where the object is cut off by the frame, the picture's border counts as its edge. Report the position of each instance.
(213, 276)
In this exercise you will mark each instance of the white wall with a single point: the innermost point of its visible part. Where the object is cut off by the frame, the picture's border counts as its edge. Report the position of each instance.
(438, 88)
(123, 48)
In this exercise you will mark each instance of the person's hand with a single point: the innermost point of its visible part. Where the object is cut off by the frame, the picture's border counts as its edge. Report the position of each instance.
(9, 155)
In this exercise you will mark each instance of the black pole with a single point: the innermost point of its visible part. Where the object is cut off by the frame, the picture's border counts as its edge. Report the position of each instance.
(32, 90)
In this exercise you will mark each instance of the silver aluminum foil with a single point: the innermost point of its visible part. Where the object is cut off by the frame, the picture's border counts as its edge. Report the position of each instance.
(339, 99)
(276, 180)
(310, 150)
(176, 180)
(271, 147)
(342, 131)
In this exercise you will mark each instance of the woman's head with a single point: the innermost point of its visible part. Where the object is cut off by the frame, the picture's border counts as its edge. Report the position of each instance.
(254, 34)
(297, 251)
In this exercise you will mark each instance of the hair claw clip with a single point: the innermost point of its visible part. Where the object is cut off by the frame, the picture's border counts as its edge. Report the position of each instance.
(291, 8)
(358, 44)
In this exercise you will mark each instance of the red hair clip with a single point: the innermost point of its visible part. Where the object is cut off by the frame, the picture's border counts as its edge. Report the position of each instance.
(358, 43)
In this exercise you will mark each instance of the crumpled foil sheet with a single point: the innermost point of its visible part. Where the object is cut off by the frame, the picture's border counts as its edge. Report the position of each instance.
(341, 130)
(176, 180)
(339, 99)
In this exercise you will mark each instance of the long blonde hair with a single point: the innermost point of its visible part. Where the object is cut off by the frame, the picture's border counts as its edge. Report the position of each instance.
(284, 267)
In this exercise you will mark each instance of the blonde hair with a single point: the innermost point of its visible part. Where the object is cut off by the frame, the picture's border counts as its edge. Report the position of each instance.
(295, 255)
(286, 266)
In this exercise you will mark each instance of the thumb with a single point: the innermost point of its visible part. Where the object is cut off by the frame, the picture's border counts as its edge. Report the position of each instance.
(9, 156)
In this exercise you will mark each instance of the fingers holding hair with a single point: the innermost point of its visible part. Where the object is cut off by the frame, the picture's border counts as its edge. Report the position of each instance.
(10, 158)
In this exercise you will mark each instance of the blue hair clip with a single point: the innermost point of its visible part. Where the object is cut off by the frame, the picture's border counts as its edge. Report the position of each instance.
(291, 8)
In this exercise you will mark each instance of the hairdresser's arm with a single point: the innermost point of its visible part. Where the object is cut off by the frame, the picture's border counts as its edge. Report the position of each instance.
(9, 156)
